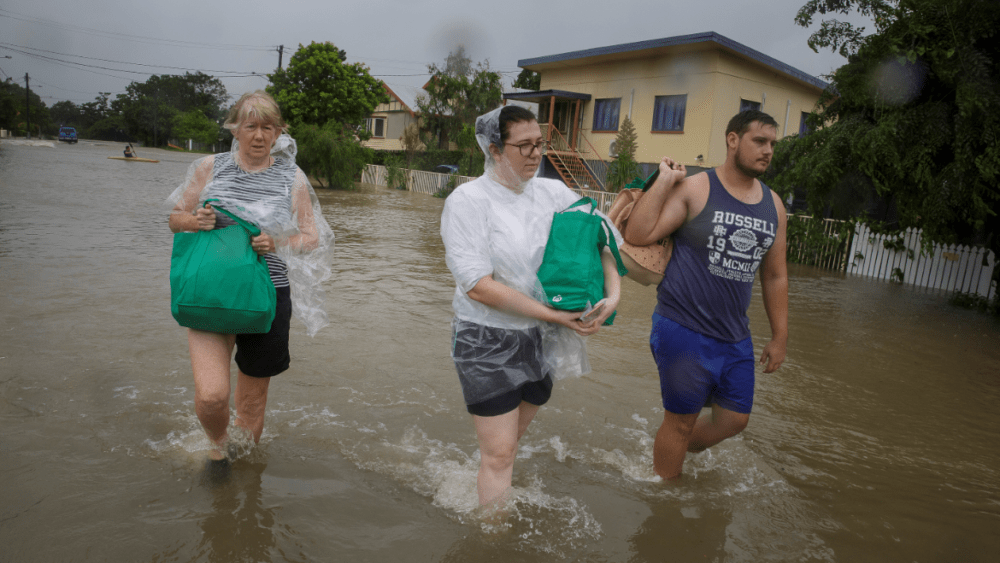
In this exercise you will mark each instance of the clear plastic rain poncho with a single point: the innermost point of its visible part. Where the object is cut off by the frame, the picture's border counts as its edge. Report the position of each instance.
(489, 228)
(284, 205)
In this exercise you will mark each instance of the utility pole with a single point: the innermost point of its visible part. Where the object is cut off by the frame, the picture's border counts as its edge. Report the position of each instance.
(281, 50)
(156, 120)
(27, 106)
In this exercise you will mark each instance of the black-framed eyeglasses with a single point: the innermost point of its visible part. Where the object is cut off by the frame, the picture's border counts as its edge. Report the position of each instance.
(527, 148)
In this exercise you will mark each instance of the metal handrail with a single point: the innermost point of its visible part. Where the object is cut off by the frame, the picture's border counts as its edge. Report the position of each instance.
(577, 170)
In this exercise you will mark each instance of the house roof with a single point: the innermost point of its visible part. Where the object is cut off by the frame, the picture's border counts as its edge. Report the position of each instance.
(543, 95)
(407, 95)
(615, 52)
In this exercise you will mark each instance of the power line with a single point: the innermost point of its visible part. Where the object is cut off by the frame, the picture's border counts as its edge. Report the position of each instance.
(10, 45)
(74, 64)
(48, 85)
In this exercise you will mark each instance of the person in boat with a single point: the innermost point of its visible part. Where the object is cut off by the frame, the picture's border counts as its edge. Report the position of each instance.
(259, 181)
(494, 230)
(128, 152)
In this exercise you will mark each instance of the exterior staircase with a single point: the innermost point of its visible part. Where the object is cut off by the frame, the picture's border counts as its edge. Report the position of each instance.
(569, 164)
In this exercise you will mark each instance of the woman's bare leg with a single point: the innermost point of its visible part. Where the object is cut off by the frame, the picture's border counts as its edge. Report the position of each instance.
(498, 437)
(211, 355)
(251, 402)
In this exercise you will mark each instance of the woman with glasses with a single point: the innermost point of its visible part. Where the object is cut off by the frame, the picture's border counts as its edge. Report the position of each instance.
(494, 230)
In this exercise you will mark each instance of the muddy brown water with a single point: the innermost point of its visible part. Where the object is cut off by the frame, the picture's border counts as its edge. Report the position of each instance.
(878, 440)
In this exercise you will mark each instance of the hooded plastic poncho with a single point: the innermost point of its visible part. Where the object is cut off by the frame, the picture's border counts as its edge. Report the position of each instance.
(284, 206)
(491, 228)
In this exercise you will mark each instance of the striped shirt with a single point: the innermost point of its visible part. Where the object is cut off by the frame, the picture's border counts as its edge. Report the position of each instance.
(267, 192)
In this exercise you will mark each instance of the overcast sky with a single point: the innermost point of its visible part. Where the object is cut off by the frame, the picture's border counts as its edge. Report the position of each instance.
(128, 41)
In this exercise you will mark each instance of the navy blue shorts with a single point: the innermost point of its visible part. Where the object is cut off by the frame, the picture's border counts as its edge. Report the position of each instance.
(266, 354)
(696, 369)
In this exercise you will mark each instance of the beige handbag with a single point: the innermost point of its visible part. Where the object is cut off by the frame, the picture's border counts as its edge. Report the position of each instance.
(645, 264)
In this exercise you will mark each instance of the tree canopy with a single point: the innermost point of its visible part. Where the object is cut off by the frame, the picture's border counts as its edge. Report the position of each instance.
(197, 126)
(908, 132)
(92, 120)
(325, 101)
(454, 100)
(12, 110)
(529, 80)
(148, 110)
(319, 86)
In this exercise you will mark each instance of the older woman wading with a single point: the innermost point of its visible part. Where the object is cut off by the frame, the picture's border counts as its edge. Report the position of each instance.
(495, 229)
(257, 181)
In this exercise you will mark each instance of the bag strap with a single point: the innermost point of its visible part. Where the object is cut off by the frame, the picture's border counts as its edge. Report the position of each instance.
(609, 240)
(651, 180)
(254, 230)
(584, 201)
(613, 245)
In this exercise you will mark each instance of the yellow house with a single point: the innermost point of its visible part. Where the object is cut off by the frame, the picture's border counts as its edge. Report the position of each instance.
(680, 93)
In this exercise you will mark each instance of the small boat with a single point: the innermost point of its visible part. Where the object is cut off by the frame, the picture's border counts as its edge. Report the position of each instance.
(132, 159)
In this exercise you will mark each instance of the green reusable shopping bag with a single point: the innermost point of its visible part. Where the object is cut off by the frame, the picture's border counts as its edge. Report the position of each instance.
(571, 274)
(218, 283)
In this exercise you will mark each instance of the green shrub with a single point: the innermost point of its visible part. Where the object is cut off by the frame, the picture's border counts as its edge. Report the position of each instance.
(448, 188)
(809, 244)
(623, 169)
(331, 153)
(395, 176)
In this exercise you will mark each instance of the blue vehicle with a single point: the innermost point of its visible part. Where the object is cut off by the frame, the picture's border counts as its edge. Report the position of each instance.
(67, 134)
(445, 168)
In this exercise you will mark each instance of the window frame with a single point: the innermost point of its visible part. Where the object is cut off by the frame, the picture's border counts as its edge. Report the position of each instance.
(746, 104)
(599, 104)
(370, 126)
(804, 125)
(656, 109)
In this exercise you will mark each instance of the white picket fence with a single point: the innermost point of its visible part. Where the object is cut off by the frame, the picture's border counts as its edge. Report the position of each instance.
(416, 180)
(949, 268)
(432, 182)
(373, 174)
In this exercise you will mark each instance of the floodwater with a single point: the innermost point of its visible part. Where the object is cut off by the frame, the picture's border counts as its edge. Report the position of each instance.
(877, 441)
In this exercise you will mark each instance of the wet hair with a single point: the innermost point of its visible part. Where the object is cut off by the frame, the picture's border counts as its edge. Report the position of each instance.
(740, 123)
(508, 115)
(259, 105)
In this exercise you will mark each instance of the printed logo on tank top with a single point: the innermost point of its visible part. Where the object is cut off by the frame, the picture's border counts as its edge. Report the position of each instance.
(738, 244)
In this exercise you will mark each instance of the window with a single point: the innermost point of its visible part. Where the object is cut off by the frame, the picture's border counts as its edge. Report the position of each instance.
(668, 113)
(606, 114)
(804, 128)
(375, 125)
(748, 104)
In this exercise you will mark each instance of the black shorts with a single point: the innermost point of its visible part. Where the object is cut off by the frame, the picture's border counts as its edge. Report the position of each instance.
(266, 354)
(534, 392)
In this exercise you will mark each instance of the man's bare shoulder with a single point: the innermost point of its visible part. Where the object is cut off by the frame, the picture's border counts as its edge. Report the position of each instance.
(779, 204)
(694, 187)
(696, 181)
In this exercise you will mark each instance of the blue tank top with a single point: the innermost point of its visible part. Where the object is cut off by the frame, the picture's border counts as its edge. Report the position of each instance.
(709, 279)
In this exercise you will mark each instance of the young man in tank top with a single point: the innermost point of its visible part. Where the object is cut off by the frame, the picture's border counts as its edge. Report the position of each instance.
(726, 224)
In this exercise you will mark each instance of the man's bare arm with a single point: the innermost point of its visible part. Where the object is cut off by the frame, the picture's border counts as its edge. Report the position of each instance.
(774, 290)
(662, 209)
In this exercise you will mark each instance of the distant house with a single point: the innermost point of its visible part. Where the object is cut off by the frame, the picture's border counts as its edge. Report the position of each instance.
(679, 92)
(388, 121)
